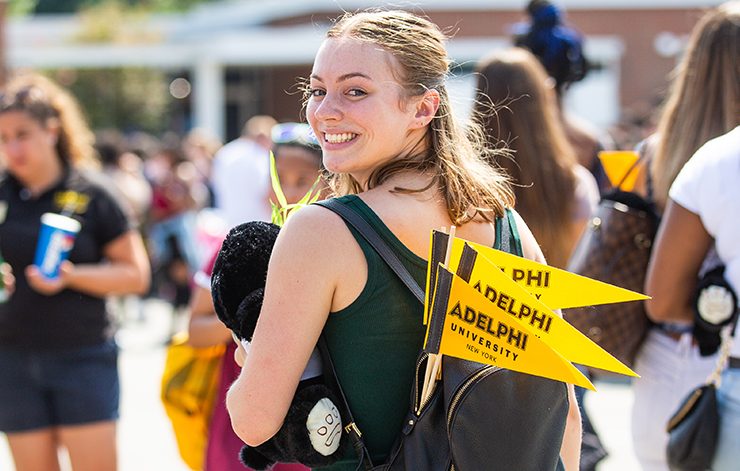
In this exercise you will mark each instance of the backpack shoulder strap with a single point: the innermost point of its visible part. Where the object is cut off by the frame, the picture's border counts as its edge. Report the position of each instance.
(386, 253)
(377, 242)
(507, 234)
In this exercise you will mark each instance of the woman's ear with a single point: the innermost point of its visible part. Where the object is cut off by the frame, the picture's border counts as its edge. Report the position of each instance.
(53, 129)
(426, 108)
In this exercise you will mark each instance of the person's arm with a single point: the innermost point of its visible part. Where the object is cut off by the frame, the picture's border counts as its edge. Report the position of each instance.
(586, 201)
(679, 249)
(205, 328)
(570, 450)
(125, 270)
(301, 281)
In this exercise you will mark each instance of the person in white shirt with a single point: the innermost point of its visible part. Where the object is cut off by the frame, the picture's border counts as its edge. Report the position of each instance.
(241, 174)
(702, 104)
(703, 206)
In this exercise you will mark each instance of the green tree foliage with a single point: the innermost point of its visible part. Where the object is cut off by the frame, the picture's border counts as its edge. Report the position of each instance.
(123, 98)
(127, 98)
(20, 7)
(59, 6)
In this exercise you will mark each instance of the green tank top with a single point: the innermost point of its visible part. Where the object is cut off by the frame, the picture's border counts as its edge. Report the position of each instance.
(375, 341)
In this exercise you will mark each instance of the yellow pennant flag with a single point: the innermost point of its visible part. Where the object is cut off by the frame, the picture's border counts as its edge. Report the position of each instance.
(464, 324)
(621, 167)
(556, 288)
(514, 299)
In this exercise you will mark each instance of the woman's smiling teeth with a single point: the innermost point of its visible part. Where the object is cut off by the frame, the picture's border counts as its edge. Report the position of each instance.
(338, 138)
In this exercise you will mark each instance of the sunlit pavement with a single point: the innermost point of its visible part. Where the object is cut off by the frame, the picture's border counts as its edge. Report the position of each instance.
(146, 441)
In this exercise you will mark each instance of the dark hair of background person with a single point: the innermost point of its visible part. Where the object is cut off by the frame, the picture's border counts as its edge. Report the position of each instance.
(47, 103)
(518, 111)
(558, 47)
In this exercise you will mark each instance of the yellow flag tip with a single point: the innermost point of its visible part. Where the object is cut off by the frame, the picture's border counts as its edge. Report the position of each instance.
(624, 370)
(588, 385)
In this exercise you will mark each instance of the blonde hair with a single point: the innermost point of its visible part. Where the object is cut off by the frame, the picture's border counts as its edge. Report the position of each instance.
(704, 97)
(454, 157)
(516, 108)
(46, 102)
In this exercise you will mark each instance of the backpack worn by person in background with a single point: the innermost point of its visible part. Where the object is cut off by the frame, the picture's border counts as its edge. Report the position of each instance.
(479, 416)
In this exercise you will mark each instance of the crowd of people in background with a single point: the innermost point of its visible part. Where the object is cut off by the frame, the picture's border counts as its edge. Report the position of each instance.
(154, 225)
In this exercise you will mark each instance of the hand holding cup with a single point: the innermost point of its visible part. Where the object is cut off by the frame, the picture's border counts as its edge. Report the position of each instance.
(49, 286)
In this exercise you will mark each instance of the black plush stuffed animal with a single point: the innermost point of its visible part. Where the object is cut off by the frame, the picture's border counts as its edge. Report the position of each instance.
(312, 431)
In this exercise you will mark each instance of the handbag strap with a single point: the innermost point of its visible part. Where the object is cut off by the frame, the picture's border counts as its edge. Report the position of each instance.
(642, 157)
(724, 354)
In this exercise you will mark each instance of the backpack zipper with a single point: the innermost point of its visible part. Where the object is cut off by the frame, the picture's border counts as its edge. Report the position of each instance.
(489, 369)
(418, 407)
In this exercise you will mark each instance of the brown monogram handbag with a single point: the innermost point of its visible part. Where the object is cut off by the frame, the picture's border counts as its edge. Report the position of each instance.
(615, 249)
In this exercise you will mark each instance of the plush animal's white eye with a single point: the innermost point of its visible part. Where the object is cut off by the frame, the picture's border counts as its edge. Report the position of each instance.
(323, 430)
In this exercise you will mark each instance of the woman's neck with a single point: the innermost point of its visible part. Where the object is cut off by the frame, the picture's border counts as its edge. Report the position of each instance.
(44, 179)
(417, 183)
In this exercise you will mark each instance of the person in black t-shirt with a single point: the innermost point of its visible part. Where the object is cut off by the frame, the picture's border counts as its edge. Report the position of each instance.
(58, 360)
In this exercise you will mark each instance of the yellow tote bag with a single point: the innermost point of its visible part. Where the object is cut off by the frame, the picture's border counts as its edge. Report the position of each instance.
(188, 393)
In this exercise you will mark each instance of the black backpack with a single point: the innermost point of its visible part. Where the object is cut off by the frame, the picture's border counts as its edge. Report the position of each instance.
(479, 416)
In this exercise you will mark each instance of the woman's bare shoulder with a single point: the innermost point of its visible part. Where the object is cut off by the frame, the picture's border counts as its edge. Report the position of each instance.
(314, 228)
(317, 237)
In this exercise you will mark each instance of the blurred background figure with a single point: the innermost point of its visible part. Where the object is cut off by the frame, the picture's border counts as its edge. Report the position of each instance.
(703, 103)
(126, 170)
(297, 160)
(560, 50)
(200, 147)
(59, 362)
(241, 174)
(517, 106)
(298, 164)
(701, 211)
(177, 195)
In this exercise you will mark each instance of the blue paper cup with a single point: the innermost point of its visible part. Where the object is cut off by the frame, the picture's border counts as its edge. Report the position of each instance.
(56, 239)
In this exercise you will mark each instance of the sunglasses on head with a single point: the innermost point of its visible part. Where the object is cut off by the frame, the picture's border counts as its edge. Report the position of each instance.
(294, 133)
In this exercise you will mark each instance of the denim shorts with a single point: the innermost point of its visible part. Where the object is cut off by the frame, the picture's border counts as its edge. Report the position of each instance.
(41, 389)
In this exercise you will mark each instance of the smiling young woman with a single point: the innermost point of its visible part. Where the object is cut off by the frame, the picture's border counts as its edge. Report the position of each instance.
(378, 104)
